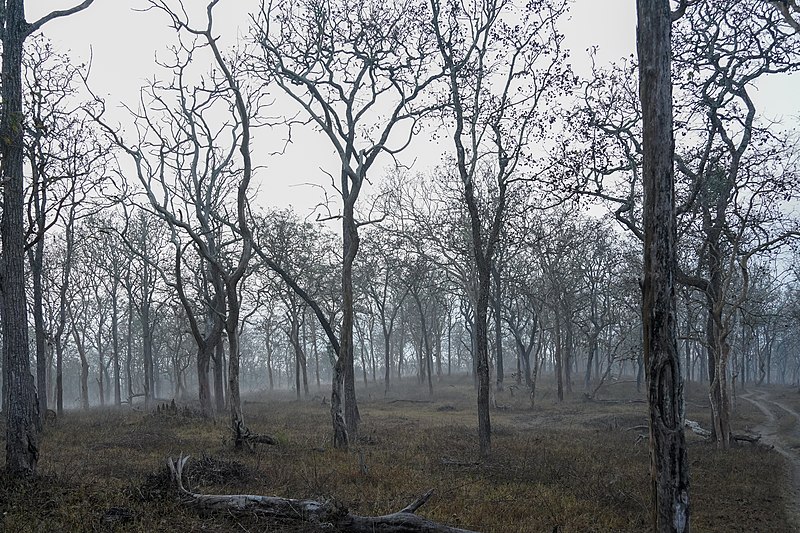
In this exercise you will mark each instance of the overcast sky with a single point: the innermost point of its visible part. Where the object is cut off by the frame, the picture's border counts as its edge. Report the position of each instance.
(124, 42)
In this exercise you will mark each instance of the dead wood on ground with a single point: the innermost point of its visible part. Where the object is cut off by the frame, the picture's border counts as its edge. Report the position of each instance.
(312, 511)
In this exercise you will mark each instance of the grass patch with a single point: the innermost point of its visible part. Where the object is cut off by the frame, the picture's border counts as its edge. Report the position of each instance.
(570, 466)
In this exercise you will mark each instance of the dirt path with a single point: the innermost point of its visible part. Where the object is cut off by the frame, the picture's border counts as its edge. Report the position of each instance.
(771, 434)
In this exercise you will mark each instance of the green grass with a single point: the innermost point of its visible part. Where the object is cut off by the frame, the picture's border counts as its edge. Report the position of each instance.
(576, 466)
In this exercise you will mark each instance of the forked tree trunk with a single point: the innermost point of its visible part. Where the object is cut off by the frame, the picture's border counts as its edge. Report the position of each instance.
(79, 344)
(668, 459)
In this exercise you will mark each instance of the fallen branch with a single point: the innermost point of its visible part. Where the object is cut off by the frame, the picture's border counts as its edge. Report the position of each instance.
(588, 398)
(697, 429)
(318, 513)
(745, 437)
(752, 439)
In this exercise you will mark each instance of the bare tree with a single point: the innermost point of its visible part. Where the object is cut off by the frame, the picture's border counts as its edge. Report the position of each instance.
(499, 72)
(735, 173)
(669, 465)
(790, 10)
(342, 62)
(385, 288)
(22, 449)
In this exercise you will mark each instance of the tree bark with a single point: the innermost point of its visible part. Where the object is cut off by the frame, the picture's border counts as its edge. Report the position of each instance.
(350, 242)
(115, 342)
(218, 355)
(79, 344)
(498, 325)
(668, 457)
(22, 440)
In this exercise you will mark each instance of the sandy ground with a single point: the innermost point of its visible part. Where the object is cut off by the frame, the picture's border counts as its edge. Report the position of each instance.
(773, 435)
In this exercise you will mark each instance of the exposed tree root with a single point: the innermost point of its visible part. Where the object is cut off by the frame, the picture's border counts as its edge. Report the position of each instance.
(318, 513)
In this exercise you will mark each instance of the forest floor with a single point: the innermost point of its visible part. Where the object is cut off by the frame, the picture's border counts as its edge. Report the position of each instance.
(781, 430)
(576, 465)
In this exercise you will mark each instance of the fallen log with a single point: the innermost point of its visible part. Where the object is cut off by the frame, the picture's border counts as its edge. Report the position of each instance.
(325, 514)
(752, 439)
(743, 437)
(589, 398)
(697, 429)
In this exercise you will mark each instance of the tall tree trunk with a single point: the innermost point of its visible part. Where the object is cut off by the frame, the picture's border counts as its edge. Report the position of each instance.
(36, 256)
(718, 350)
(316, 352)
(558, 356)
(129, 351)
(234, 358)
(115, 342)
(567, 362)
(294, 340)
(147, 351)
(101, 365)
(304, 352)
(269, 363)
(203, 386)
(84, 364)
(219, 379)
(668, 458)
(387, 352)
(590, 359)
(498, 326)
(19, 391)
(482, 360)
(345, 421)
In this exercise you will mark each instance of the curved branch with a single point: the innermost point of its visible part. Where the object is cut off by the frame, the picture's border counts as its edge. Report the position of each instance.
(57, 14)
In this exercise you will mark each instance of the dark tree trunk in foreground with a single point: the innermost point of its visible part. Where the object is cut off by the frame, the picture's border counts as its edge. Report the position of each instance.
(22, 448)
(668, 459)
(22, 451)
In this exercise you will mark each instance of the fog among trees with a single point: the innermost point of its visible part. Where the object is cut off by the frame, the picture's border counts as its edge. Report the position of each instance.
(638, 225)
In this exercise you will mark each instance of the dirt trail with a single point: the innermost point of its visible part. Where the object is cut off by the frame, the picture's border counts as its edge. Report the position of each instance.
(771, 434)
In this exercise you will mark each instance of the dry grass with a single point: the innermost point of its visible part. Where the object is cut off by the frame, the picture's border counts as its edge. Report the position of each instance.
(573, 466)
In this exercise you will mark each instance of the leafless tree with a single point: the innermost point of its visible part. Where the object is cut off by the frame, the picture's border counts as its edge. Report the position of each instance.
(342, 63)
(502, 63)
(22, 449)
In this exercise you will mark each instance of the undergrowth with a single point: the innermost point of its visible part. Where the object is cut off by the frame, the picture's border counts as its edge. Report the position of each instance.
(572, 466)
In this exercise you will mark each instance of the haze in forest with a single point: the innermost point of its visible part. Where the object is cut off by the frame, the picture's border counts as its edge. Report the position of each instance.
(349, 254)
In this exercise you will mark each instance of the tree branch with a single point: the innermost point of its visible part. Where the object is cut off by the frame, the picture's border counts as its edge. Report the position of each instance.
(57, 14)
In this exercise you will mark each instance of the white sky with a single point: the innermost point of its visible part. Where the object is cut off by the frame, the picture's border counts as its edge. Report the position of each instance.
(124, 42)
